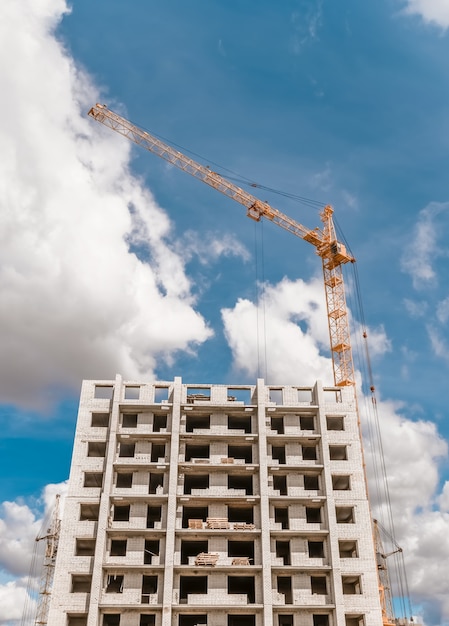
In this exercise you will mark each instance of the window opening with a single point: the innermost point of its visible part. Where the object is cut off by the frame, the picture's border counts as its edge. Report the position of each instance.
(237, 481)
(280, 484)
(104, 392)
(100, 420)
(192, 549)
(111, 619)
(154, 514)
(93, 479)
(159, 422)
(318, 585)
(198, 393)
(277, 424)
(345, 514)
(351, 585)
(284, 584)
(192, 620)
(241, 514)
(241, 452)
(132, 392)
(118, 547)
(309, 453)
(316, 549)
(129, 420)
(341, 483)
(239, 422)
(278, 454)
(281, 517)
(305, 395)
(320, 619)
(241, 620)
(313, 514)
(156, 483)
(89, 512)
(121, 512)
(285, 620)
(147, 619)
(127, 450)
(307, 422)
(241, 549)
(115, 583)
(149, 588)
(81, 583)
(96, 448)
(348, 549)
(151, 550)
(194, 513)
(191, 584)
(276, 396)
(197, 422)
(196, 451)
(283, 551)
(160, 394)
(335, 422)
(354, 620)
(85, 547)
(239, 395)
(338, 453)
(157, 452)
(311, 482)
(124, 480)
(77, 620)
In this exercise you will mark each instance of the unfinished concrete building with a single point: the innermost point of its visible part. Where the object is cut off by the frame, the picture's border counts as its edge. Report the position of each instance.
(216, 505)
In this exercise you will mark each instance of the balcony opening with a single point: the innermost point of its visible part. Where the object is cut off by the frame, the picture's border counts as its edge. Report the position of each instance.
(114, 583)
(147, 619)
(281, 517)
(111, 619)
(284, 586)
(129, 420)
(309, 453)
(320, 619)
(192, 549)
(345, 514)
(241, 620)
(316, 549)
(335, 422)
(93, 479)
(283, 552)
(89, 512)
(149, 588)
(150, 551)
(242, 549)
(311, 482)
(121, 512)
(77, 619)
(194, 513)
(132, 392)
(192, 620)
(338, 453)
(351, 585)
(306, 422)
(313, 514)
(96, 448)
(154, 515)
(85, 547)
(191, 584)
(124, 480)
(278, 454)
(195, 481)
(239, 395)
(127, 450)
(157, 452)
(100, 420)
(118, 547)
(241, 514)
(104, 392)
(348, 549)
(197, 422)
(156, 483)
(318, 585)
(280, 484)
(161, 394)
(241, 452)
(243, 585)
(81, 583)
(237, 481)
(195, 451)
(285, 620)
(159, 422)
(277, 424)
(341, 483)
(239, 422)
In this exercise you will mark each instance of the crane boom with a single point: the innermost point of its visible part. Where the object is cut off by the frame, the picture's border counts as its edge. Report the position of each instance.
(332, 252)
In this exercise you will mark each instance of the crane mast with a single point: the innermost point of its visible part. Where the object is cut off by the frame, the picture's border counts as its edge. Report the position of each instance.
(332, 252)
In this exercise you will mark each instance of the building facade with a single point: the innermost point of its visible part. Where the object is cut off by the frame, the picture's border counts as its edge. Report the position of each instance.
(215, 505)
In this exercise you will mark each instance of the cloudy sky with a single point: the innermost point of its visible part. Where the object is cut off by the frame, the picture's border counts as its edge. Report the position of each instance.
(113, 262)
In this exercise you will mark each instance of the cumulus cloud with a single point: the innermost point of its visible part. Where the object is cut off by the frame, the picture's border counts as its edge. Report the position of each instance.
(434, 12)
(210, 246)
(77, 230)
(422, 251)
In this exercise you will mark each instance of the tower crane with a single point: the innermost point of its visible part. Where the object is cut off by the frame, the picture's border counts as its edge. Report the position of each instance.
(333, 253)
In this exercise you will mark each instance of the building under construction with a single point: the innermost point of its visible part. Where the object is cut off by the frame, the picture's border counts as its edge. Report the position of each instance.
(216, 505)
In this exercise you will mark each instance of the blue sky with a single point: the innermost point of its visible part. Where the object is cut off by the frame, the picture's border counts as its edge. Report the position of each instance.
(343, 103)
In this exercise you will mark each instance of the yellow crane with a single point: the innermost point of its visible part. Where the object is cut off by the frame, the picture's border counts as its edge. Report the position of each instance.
(333, 253)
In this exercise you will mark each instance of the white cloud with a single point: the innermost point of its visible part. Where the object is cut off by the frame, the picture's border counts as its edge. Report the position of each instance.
(211, 246)
(306, 24)
(422, 251)
(76, 301)
(443, 310)
(434, 12)
(416, 309)
(13, 598)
